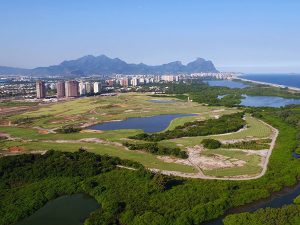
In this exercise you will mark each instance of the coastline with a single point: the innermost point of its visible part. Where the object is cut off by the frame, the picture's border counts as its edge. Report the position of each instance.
(269, 84)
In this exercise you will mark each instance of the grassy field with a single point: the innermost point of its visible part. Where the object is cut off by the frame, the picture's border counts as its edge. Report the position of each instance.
(98, 109)
(255, 128)
(148, 160)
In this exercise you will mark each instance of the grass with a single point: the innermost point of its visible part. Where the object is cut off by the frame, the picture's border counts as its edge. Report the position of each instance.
(146, 159)
(99, 109)
(255, 128)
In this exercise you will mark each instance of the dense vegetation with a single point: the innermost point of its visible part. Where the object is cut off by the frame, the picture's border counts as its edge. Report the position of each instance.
(28, 181)
(211, 143)
(68, 130)
(224, 124)
(138, 197)
(156, 149)
(201, 92)
(269, 216)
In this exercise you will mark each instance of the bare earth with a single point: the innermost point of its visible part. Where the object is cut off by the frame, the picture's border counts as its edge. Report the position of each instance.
(202, 162)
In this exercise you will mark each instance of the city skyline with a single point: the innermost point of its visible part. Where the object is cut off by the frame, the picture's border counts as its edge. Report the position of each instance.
(248, 36)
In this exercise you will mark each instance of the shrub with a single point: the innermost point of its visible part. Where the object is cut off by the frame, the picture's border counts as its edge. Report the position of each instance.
(211, 143)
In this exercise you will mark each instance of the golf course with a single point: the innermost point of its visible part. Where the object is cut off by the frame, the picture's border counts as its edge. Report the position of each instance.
(39, 129)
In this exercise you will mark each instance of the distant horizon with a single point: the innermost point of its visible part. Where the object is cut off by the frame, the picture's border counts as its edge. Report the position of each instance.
(257, 70)
(242, 36)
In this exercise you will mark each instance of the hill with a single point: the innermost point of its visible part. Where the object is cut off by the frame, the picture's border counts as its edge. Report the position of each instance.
(104, 65)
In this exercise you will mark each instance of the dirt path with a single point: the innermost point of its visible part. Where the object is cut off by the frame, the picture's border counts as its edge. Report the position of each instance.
(194, 155)
(194, 158)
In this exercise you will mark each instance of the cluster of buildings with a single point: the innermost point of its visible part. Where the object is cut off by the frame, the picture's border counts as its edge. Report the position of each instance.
(69, 89)
(74, 88)
(219, 76)
(137, 80)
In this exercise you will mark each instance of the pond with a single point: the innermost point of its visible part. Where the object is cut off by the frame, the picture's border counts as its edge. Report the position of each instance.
(267, 101)
(65, 210)
(296, 155)
(162, 101)
(226, 83)
(150, 124)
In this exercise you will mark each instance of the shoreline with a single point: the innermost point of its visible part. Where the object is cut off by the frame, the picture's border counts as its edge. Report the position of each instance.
(269, 84)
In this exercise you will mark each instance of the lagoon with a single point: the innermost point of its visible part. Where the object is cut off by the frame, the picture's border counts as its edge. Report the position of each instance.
(267, 101)
(150, 124)
(226, 83)
(65, 210)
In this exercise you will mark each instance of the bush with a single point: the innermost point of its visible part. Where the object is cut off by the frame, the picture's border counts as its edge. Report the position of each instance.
(154, 148)
(211, 143)
(69, 129)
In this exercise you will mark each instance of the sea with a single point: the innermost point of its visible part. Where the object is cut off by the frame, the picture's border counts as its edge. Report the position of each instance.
(289, 80)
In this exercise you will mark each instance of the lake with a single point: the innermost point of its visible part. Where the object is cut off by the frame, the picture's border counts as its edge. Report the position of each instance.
(65, 210)
(150, 124)
(226, 83)
(267, 101)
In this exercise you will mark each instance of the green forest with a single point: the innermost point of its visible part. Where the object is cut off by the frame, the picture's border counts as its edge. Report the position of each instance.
(137, 196)
(224, 124)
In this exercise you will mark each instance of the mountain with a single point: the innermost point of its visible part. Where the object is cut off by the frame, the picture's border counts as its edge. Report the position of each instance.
(104, 65)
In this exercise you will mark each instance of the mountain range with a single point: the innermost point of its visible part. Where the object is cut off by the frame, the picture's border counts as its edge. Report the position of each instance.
(104, 65)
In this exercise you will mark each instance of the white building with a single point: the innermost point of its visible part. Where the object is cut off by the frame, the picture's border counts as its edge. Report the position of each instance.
(82, 88)
(167, 78)
(97, 87)
(135, 81)
(88, 87)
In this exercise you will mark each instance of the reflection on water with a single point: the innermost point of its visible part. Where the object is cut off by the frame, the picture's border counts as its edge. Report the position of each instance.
(226, 83)
(267, 101)
(65, 210)
(150, 124)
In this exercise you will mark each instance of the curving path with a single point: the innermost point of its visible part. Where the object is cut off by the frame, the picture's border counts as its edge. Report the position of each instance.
(201, 175)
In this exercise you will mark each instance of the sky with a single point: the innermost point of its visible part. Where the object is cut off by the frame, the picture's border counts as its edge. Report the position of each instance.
(250, 36)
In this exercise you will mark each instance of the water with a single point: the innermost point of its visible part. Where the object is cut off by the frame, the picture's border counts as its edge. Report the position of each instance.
(226, 83)
(267, 101)
(221, 96)
(296, 155)
(148, 124)
(281, 79)
(65, 210)
(277, 200)
(160, 101)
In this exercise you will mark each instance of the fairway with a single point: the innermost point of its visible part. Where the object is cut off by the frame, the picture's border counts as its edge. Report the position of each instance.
(93, 110)
(38, 133)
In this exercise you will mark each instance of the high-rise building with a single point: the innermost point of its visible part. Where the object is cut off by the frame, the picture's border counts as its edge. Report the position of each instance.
(82, 88)
(61, 91)
(167, 78)
(88, 87)
(124, 82)
(71, 88)
(97, 87)
(135, 81)
(40, 89)
(110, 83)
(157, 79)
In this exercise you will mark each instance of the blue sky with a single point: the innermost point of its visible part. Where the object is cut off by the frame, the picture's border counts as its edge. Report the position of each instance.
(237, 35)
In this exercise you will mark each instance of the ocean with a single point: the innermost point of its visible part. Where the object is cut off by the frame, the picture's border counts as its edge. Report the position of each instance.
(290, 80)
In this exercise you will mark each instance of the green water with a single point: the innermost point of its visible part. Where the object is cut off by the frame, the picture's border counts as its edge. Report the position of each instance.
(65, 210)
